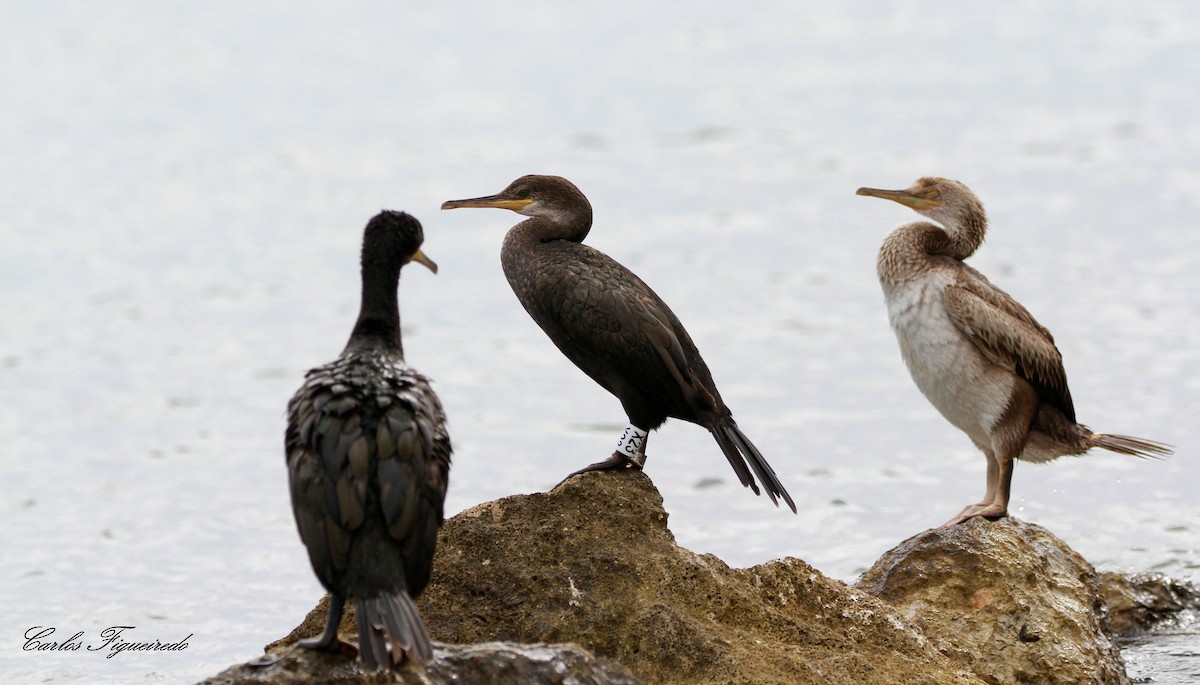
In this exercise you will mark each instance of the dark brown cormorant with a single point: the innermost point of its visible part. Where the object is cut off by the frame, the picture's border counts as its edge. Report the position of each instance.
(613, 326)
(368, 460)
(979, 357)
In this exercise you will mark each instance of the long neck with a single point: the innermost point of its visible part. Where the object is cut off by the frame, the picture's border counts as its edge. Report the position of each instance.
(964, 234)
(909, 251)
(521, 243)
(378, 324)
(520, 254)
(537, 246)
(571, 223)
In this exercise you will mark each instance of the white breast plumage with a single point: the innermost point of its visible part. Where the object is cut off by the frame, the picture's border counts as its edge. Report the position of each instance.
(975, 353)
(946, 366)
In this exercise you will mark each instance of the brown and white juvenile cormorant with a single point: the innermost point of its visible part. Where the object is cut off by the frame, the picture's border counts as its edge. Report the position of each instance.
(979, 357)
(613, 326)
(368, 460)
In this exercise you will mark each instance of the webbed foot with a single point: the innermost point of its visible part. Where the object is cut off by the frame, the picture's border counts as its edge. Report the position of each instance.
(988, 510)
(616, 462)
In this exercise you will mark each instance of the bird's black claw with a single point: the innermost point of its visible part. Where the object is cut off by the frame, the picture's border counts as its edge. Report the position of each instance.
(265, 660)
(616, 462)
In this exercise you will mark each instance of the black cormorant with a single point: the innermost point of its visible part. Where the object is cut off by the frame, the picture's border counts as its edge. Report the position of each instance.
(613, 326)
(368, 459)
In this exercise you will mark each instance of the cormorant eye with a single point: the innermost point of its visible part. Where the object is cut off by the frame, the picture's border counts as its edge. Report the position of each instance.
(523, 193)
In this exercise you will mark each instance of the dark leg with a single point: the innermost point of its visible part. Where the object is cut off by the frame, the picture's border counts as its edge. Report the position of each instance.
(613, 463)
(619, 460)
(327, 642)
(332, 620)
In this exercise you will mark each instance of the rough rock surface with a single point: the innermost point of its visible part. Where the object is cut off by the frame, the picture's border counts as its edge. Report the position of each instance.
(1136, 604)
(593, 563)
(481, 664)
(1005, 599)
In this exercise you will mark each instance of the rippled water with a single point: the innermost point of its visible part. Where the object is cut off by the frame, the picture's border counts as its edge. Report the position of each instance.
(183, 190)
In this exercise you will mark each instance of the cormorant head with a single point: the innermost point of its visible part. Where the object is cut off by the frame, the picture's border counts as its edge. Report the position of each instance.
(950, 203)
(553, 198)
(394, 238)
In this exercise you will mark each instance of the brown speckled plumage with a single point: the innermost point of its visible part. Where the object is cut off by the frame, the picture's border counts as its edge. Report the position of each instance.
(979, 356)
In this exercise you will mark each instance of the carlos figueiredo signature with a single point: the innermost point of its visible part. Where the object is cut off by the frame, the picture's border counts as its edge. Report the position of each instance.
(112, 640)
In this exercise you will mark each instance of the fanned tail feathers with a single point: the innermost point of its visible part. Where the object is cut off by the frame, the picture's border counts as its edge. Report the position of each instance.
(390, 630)
(740, 451)
(1136, 447)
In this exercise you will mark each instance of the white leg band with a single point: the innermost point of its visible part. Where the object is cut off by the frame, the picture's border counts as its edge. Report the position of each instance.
(630, 444)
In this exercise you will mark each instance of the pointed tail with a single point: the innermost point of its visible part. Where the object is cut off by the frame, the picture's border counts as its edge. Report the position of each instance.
(390, 630)
(740, 451)
(1137, 447)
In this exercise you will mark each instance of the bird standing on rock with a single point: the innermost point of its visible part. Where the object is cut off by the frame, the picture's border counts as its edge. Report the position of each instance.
(979, 357)
(368, 460)
(613, 327)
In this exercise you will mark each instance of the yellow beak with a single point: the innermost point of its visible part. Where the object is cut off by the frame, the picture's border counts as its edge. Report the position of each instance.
(490, 201)
(420, 258)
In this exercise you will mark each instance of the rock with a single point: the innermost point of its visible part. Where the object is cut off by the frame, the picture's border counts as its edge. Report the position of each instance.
(593, 563)
(1138, 603)
(481, 664)
(1005, 599)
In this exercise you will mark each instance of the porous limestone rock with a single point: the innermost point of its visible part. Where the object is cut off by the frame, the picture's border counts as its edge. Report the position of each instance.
(1137, 604)
(1004, 599)
(480, 664)
(593, 563)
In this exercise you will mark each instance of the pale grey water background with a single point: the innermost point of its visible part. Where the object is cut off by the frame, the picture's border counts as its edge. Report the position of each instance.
(182, 191)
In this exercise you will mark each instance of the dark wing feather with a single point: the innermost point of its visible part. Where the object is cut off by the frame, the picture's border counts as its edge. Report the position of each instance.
(361, 420)
(1008, 335)
(414, 476)
(620, 333)
(617, 330)
(328, 492)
